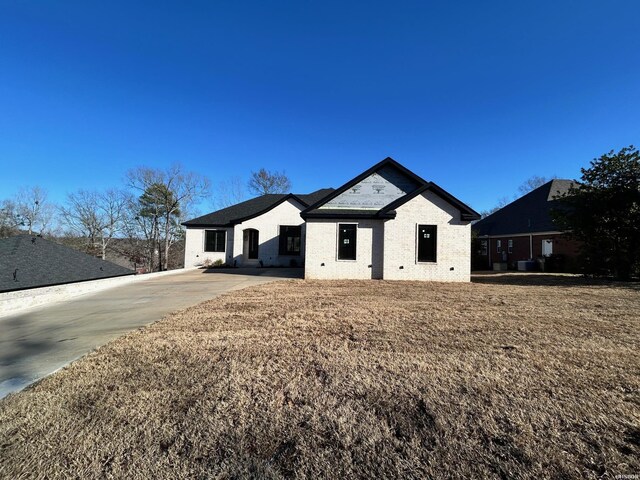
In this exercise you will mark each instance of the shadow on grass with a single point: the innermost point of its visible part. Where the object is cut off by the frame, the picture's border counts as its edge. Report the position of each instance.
(548, 280)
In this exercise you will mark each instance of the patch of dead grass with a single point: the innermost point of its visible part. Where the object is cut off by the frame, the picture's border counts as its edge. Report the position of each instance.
(350, 379)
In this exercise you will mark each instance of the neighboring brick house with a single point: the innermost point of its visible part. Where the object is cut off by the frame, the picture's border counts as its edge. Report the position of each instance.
(524, 230)
(385, 223)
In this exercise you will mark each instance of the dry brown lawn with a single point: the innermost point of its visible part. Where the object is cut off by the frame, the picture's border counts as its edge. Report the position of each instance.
(509, 376)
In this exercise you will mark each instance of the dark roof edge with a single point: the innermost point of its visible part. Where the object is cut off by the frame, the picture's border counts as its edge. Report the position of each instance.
(208, 225)
(67, 283)
(362, 176)
(235, 221)
(466, 212)
(377, 215)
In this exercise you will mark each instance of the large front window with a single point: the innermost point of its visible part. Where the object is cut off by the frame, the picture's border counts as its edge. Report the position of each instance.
(214, 240)
(347, 235)
(290, 237)
(427, 243)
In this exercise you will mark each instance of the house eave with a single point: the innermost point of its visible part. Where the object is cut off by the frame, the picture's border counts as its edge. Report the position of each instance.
(522, 234)
(349, 216)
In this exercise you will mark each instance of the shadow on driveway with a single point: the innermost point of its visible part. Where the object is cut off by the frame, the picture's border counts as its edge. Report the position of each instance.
(275, 272)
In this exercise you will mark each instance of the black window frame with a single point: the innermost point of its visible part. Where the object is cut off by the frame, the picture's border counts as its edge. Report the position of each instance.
(510, 246)
(347, 231)
(427, 248)
(287, 236)
(216, 241)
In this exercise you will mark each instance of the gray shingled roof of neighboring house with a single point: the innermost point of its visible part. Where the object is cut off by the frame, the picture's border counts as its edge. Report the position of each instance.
(240, 212)
(37, 262)
(530, 213)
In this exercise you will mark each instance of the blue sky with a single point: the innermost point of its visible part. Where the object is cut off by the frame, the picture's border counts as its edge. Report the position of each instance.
(475, 96)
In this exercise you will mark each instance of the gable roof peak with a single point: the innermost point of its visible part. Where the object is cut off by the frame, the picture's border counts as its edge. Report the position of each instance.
(421, 185)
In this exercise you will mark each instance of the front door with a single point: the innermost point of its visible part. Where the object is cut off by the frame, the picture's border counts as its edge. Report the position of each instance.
(251, 241)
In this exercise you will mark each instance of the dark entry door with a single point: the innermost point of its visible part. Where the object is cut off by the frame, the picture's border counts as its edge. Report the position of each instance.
(254, 241)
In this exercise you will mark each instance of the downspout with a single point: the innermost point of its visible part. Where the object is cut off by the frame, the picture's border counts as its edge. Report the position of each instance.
(530, 247)
(489, 246)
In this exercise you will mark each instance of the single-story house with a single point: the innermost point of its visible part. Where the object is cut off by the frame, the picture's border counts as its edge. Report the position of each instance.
(386, 223)
(30, 261)
(524, 230)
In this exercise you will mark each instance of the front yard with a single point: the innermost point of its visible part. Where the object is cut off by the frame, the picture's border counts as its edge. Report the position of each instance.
(510, 376)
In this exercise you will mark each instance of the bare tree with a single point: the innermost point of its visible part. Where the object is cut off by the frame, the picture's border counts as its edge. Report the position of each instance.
(264, 181)
(532, 183)
(28, 209)
(229, 192)
(502, 202)
(165, 197)
(96, 216)
(8, 221)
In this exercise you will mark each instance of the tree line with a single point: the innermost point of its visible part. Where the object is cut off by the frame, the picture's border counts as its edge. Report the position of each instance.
(139, 222)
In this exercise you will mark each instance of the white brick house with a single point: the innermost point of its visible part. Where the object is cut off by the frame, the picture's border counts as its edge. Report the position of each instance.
(263, 231)
(386, 223)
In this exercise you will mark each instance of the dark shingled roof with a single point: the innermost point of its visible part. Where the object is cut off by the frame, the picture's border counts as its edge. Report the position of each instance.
(528, 214)
(42, 263)
(252, 208)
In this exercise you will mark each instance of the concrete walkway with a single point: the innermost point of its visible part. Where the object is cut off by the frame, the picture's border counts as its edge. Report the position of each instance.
(39, 342)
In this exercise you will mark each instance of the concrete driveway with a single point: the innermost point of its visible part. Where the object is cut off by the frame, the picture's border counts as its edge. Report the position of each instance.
(39, 342)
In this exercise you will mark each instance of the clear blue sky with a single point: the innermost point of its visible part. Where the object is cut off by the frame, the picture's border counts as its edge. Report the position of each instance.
(476, 96)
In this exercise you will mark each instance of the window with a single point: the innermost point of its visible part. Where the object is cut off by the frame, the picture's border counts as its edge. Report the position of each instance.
(483, 248)
(427, 242)
(290, 239)
(498, 246)
(214, 240)
(510, 246)
(347, 233)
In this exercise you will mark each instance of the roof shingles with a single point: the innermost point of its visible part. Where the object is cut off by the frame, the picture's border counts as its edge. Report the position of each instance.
(530, 213)
(234, 214)
(37, 262)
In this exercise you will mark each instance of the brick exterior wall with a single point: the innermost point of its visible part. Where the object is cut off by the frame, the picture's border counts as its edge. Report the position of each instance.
(322, 251)
(268, 226)
(453, 258)
(562, 245)
(385, 246)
